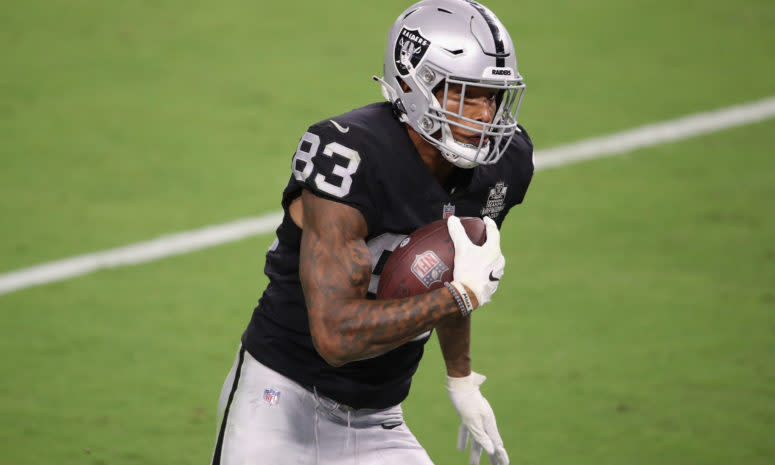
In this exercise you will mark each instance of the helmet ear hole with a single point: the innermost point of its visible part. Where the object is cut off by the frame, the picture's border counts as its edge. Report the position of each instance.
(404, 86)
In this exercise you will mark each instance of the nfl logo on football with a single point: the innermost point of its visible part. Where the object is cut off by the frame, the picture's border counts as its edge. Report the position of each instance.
(428, 267)
(271, 396)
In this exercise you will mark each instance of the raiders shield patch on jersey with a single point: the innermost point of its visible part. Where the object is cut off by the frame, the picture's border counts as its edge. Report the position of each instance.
(496, 200)
(410, 48)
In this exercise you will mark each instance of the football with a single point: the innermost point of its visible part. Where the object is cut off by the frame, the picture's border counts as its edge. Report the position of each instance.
(425, 259)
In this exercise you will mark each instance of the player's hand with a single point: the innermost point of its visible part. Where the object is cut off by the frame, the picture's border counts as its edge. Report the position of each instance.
(478, 420)
(479, 268)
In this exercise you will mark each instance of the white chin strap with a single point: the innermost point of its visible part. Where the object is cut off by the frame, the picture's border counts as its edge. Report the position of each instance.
(463, 154)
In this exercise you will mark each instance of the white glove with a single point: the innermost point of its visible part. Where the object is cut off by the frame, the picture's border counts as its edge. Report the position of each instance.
(478, 420)
(480, 268)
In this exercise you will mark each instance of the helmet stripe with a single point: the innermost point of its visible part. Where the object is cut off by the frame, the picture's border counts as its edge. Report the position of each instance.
(492, 23)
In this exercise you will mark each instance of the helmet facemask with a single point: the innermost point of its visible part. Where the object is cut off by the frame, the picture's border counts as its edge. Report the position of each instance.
(495, 135)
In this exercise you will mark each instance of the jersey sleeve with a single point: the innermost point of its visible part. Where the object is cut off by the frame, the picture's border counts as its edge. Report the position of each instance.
(331, 164)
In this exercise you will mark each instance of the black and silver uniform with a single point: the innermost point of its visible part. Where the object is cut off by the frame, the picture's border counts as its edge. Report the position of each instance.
(365, 159)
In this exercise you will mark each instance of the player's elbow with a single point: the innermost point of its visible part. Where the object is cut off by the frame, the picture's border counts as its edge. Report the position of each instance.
(328, 341)
(329, 349)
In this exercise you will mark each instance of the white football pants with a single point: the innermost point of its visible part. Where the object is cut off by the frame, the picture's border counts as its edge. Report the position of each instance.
(268, 419)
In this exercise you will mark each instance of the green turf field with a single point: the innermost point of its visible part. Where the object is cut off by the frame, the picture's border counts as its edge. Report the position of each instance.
(636, 320)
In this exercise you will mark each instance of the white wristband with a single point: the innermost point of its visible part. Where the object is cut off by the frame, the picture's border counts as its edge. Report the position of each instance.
(461, 290)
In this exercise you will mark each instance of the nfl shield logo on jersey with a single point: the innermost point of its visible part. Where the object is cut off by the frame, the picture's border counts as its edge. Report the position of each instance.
(447, 211)
(428, 267)
(271, 396)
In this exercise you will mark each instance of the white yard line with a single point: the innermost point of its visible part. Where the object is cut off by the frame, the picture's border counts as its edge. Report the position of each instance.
(189, 241)
(140, 252)
(657, 133)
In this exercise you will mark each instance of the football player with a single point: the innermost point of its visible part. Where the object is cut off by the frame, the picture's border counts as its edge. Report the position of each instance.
(323, 366)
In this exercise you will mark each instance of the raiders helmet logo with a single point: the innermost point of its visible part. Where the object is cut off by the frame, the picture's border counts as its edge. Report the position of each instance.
(410, 48)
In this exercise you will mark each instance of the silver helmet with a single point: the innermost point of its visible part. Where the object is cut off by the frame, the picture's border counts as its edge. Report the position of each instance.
(435, 44)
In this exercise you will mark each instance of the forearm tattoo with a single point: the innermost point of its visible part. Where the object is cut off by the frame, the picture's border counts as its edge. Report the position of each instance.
(335, 269)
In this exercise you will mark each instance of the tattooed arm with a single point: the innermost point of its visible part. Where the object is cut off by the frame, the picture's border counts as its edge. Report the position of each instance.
(335, 270)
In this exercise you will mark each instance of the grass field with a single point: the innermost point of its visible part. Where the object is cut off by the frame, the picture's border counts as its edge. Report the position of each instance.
(636, 320)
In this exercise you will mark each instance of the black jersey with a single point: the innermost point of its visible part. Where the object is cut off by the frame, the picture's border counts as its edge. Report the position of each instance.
(365, 159)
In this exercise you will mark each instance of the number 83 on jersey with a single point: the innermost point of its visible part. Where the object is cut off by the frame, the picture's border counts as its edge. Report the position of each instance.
(308, 149)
